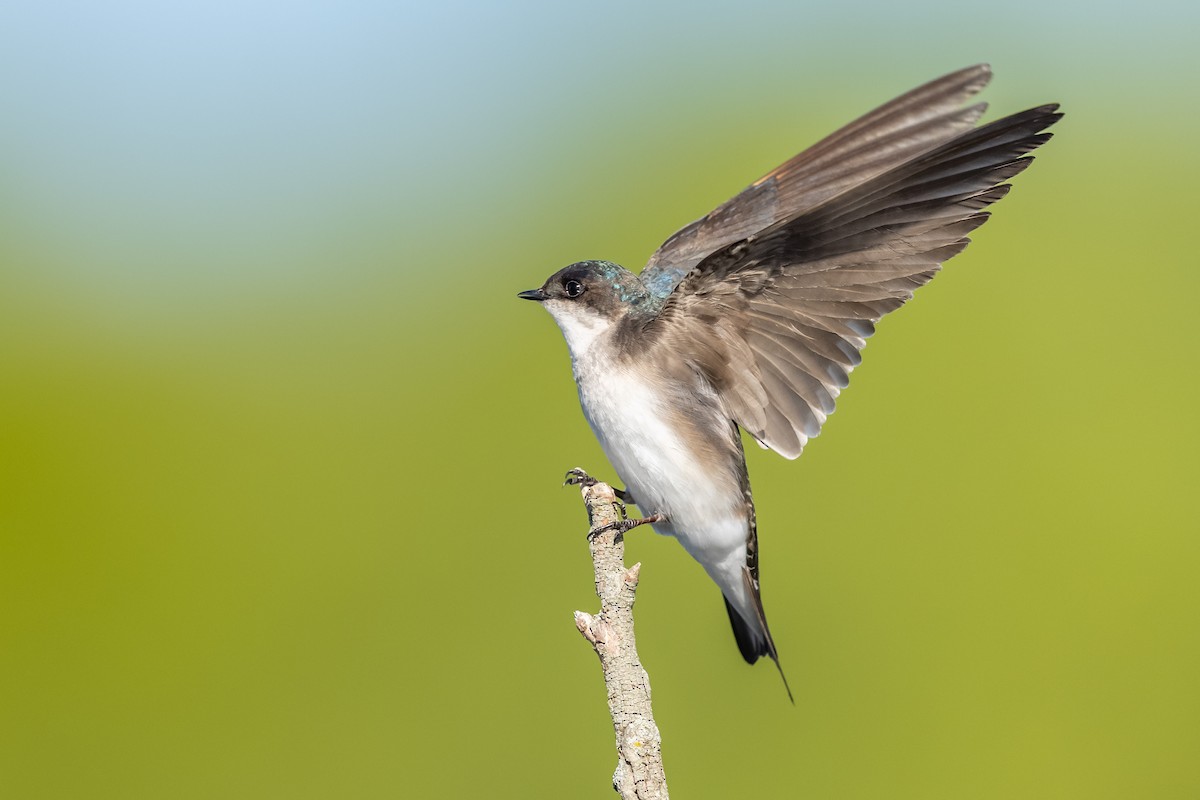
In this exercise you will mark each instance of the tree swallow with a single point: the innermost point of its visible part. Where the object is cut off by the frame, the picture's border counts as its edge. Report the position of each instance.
(755, 315)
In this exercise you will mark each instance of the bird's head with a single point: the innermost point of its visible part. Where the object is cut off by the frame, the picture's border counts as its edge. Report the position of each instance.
(588, 298)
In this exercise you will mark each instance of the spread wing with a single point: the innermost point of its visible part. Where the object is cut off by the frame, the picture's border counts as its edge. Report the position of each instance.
(888, 136)
(776, 320)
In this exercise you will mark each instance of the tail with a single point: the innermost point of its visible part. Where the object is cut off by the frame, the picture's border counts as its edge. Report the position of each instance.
(754, 640)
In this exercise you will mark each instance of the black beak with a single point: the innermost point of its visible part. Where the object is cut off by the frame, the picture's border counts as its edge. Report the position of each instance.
(533, 294)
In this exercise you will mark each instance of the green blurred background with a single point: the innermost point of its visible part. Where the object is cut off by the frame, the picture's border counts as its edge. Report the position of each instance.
(280, 450)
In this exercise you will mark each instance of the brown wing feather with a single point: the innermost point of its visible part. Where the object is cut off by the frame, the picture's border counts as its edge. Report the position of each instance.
(886, 137)
(753, 636)
(792, 306)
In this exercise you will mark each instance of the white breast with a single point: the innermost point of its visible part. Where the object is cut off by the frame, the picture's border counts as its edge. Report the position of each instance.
(631, 414)
(704, 505)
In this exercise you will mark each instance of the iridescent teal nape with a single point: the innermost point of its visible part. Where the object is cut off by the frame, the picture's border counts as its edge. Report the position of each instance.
(627, 286)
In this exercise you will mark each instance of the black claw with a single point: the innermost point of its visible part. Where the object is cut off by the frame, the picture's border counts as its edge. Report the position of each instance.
(577, 477)
(624, 525)
(618, 526)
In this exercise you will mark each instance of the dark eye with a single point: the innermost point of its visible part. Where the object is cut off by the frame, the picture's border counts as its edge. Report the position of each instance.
(573, 288)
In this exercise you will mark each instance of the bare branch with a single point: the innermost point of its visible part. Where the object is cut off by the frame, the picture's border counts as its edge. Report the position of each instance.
(639, 774)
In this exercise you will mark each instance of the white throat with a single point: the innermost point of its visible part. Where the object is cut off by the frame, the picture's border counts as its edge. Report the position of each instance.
(581, 326)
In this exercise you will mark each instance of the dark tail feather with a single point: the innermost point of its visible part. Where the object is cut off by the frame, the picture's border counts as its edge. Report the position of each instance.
(751, 646)
(750, 642)
(786, 688)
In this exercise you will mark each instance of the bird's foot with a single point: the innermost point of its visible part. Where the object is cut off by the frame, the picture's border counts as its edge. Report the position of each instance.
(577, 477)
(625, 525)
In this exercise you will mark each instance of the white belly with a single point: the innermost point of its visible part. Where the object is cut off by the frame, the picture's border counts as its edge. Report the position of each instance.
(704, 506)
(667, 461)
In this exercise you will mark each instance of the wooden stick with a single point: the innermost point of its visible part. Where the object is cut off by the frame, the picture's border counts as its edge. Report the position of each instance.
(639, 774)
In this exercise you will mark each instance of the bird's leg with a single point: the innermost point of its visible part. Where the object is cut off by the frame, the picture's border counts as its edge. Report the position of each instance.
(577, 477)
(626, 525)
(623, 497)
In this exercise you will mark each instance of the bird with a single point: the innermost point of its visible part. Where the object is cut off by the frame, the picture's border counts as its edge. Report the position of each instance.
(752, 317)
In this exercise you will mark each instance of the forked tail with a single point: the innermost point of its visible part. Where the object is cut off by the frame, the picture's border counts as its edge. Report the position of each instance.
(755, 640)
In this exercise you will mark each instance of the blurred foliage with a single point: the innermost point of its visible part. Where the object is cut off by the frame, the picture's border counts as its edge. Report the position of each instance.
(280, 449)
